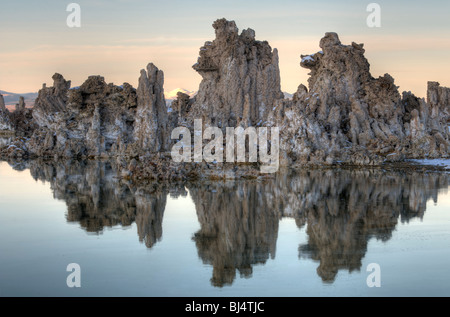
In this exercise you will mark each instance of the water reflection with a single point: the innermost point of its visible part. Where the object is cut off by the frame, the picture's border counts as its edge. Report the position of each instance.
(341, 210)
(96, 198)
(238, 227)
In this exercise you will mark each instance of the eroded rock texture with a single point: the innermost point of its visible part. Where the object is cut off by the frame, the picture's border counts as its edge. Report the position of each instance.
(51, 101)
(99, 119)
(2, 103)
(5, 122)
(95, 119)
(346, 115)
(429, 130)
(241, 78)
(151, 131)
(21, 105)
(19, 122)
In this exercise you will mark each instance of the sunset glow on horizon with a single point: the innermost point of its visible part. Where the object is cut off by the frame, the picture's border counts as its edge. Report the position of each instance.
(119, 38)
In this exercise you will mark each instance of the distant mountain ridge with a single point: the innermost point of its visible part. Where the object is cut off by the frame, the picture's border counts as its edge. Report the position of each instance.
(11, 98)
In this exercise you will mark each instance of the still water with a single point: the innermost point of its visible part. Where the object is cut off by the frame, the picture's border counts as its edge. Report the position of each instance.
(303, 233)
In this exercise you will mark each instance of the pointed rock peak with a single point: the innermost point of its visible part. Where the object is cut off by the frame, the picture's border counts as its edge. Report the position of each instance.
(2, 103)
(152, 75)
(330, 39)
(152, 70)
(21, 105)
(58, 77)
(150, 126)
(152, 67)
(358, 46)
(241, 78)
(93, 84)
(60, 84)
(248, 35)
(225, 29)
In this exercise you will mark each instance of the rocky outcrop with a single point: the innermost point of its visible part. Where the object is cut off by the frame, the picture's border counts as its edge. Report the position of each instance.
(95, 119)
(2, 103)
(21, 105)
(101, 120)
(22, 120)
(241, 78)
(346, 115)
(439, 100)
(151, 131)
(19, 122)
(179, 109)
(5, 122)
(51, 101)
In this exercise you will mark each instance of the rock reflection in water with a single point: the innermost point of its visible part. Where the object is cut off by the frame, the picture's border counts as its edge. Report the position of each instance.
(238, 228)
(340, 209)
(96, 198)
(350, 207)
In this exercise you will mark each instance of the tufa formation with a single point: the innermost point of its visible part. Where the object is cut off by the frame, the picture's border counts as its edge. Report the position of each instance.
(344, 116)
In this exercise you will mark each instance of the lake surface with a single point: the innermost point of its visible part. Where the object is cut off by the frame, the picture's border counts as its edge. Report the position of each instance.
(303, 233)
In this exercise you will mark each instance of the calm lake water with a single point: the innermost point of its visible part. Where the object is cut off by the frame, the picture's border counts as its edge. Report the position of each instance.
(304, 233)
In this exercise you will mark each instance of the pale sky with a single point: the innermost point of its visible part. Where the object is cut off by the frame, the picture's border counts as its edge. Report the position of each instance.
(118, 38)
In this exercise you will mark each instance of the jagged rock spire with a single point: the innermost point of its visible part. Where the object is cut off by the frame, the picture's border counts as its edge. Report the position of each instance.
(5, 121)
(21, 105)
(2, 103)
(151, 118)
(241, 78)
(347, 115)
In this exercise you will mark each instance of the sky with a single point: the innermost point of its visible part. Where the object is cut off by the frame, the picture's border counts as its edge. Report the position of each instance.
(118, 38)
